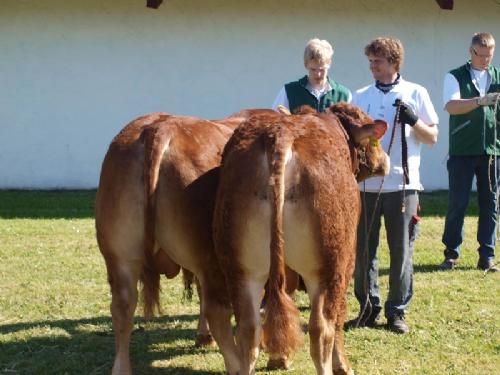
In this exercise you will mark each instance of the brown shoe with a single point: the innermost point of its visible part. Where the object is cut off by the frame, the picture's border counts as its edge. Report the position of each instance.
(487, 265)
(448, 264)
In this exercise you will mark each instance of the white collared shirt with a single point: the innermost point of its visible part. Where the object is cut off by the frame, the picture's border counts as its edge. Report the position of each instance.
(380, 106)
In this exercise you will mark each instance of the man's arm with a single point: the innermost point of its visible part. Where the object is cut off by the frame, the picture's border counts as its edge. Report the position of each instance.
(461, 106)
(455, 105)
(424, 133)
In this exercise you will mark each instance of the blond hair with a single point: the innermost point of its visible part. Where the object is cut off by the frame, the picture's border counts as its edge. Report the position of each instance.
(483, 40)
(319, 51)
(388, 48)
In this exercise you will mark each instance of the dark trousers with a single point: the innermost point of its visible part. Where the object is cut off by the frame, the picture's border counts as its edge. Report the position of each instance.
(461, 172)
(401, 229)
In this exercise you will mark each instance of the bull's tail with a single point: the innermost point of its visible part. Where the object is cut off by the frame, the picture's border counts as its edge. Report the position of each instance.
(282, 332)
(155, 144)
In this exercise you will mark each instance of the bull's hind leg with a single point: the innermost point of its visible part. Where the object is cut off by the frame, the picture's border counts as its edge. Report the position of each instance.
(321, 330)
(204, 336)
(341, 365)
(123, 280)
(218, 313)
(249, 330)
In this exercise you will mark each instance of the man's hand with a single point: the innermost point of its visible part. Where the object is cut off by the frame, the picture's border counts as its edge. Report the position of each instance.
(489, 99)
(283, 110)
(406, 114)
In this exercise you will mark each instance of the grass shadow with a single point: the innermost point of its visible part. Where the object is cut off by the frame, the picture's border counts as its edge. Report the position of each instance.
(436, 204)
(86, 346)
(47, 204)
(429, 268)
(71, 204)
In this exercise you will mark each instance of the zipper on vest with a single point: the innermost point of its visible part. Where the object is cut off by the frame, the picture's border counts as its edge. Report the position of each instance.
(460, 127)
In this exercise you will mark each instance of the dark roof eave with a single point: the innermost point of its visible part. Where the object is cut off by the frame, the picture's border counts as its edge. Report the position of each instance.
(154, 3)
(443, 4)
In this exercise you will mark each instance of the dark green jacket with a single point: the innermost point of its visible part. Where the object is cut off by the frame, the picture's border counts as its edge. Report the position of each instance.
(299, 95)
(473, 133)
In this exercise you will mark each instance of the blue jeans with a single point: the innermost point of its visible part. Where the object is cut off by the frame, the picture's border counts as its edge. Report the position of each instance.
(401, 229)
(461, 171)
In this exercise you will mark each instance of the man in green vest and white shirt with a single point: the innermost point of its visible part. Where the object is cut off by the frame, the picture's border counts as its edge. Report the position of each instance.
(315, 89)
(471, 96)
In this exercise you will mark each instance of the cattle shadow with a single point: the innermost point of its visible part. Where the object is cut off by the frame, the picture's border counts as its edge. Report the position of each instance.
(86, 346)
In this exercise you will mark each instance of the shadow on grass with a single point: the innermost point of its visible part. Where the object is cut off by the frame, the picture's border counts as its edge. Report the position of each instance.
(70, 204)
(47, 204)
(429, 268)
(86, 346)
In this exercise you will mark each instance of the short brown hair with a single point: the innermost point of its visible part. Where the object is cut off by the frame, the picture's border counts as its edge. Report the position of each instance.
(388, 48)
(483, 40)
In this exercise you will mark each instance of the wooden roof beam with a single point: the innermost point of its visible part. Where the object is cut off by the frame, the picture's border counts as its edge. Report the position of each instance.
(445, 4)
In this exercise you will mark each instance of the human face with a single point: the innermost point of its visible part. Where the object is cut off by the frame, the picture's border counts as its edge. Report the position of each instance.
(317, 73)
(481, 57)
(382, 70)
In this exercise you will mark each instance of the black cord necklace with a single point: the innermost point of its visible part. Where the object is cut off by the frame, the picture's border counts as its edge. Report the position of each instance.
(386, 87)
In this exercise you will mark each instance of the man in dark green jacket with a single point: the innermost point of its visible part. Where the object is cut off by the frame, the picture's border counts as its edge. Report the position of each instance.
(315, 89)
(471, 95)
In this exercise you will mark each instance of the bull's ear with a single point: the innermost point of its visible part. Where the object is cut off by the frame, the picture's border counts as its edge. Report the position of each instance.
(379, 128)
(375, 130)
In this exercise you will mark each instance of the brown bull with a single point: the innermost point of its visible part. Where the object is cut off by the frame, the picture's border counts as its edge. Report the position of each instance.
(288, 195)
(154, 211)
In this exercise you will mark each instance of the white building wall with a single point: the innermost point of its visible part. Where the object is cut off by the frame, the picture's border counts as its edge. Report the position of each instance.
(73, 73)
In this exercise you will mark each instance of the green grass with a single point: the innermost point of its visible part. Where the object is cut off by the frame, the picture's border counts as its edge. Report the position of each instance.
(54, 303)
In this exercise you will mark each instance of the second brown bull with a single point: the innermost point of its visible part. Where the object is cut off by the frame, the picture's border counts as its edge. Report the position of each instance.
(288, 195)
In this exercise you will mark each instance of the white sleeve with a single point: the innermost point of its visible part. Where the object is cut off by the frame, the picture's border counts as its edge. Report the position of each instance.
(451, 88)
(349, 96)
(281, 99)
(426, 111)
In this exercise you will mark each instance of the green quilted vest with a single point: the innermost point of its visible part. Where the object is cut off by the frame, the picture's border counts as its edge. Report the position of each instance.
(298, 95)
(473, 133)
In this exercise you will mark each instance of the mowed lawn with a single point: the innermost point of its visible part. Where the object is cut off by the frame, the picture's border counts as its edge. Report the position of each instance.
(54, 303)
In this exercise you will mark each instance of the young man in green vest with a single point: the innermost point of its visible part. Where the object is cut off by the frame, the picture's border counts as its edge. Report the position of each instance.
(315, 89)
(471, 95)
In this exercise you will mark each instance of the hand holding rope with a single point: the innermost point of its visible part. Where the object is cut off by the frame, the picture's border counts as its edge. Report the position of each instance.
(404, 115)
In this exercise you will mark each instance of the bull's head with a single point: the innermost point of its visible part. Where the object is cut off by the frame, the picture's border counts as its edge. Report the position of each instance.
(369, 158)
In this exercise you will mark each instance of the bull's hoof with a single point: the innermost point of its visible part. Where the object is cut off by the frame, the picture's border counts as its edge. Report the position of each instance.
(278, 364)
(205, 341)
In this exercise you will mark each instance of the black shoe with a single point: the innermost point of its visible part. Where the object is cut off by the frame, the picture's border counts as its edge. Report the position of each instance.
(448, 264)
(369, 318)
(397, 324)
(487, 265)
